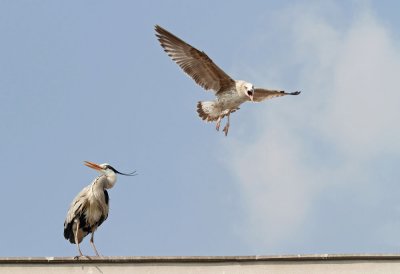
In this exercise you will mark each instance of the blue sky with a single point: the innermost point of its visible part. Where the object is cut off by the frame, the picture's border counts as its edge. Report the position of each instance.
(316, 173)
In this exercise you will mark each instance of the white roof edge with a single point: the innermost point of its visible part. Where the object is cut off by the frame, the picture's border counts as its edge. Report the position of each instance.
(198, 259)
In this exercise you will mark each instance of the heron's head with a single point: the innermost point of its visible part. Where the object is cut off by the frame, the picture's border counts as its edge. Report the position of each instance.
(245, 88)
(106, 169)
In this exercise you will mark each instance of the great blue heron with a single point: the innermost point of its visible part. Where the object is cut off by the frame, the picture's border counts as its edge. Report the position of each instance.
(89, 209)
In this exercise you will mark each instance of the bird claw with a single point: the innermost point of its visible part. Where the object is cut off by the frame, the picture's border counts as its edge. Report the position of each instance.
(295, 93)
(218, 125)
(77, 257)
(226, 128)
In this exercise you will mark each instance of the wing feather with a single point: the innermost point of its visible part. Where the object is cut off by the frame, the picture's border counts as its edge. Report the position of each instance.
(261, 94)
(194, 62)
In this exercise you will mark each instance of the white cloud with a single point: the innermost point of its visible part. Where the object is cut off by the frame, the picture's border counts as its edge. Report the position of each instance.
(267, 171)
(345, 119)
(365, 104)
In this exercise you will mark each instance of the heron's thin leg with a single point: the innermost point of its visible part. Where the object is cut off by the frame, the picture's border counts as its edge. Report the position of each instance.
(92, 243)
(218, 123)
(226, 128)
(76, 240)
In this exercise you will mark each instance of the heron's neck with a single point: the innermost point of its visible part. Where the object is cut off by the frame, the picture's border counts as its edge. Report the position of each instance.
(111, 180)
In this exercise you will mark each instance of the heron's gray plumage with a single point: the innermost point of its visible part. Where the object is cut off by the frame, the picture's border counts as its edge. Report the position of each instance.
(230, 93)
(90, 207)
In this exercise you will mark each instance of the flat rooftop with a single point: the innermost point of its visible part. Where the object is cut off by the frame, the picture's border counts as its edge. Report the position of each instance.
(314, 263)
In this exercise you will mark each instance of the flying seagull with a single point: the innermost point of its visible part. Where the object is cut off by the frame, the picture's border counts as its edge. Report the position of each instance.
(230, 93)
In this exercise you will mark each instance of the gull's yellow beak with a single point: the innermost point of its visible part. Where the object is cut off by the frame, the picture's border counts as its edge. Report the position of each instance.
(93, 165)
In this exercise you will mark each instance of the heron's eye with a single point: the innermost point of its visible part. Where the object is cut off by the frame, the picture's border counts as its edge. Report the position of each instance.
(250, 93)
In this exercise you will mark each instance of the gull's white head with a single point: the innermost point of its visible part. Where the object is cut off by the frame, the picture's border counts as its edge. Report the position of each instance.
(245, 88)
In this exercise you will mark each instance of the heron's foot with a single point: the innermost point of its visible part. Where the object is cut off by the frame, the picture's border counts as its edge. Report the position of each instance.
(77, 257)
(295, 93)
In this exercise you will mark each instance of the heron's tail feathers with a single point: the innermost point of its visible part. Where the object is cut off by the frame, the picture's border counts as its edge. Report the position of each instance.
(69, 230)
(68, 233)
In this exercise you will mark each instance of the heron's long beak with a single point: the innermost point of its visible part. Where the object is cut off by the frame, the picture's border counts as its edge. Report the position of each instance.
(93, 165)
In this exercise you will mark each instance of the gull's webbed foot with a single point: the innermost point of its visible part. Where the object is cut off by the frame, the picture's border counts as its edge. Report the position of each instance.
(218, 124)
(226, 129)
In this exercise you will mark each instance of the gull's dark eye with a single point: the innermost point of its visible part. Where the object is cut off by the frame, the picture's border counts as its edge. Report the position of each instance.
(250, 93)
